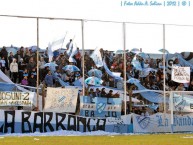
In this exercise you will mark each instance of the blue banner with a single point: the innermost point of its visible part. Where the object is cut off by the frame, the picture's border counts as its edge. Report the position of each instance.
(100, 106)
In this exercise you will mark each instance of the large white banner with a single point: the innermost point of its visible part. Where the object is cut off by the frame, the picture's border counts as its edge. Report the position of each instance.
(61, 100)
(181, 74)
(17, 98)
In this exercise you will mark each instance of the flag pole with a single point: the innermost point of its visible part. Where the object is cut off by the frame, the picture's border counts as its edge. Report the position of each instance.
(83, 87)
(64, 39)
(37, 64)
(124, 71)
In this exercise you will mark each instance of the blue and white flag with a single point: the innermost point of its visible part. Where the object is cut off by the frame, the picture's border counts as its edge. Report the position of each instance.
(149, 95)
(97, 58)
(136, 64)
(57, 43)
(111, 73)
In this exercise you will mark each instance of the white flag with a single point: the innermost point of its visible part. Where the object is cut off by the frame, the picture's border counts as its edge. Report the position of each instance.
(96, 56)
(56, 44)
(181, 74)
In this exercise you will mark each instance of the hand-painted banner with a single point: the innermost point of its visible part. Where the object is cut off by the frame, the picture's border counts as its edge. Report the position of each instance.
(162, 123)
(28, 122)
(61, 100)
(181, 74)
(17, 98)
(100, 107)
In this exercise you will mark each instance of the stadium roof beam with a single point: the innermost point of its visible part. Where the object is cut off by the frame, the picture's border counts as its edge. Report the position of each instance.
(71, 19)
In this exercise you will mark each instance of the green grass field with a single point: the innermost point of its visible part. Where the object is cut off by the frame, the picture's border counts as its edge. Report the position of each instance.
(159, 139)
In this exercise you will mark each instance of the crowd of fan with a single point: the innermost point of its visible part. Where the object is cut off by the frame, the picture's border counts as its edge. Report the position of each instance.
(22, 68)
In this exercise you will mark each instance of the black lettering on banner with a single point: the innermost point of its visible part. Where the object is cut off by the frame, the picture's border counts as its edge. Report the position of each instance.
(71, 126)
(10, 124)
(47, 121)
(83, 121)
(25, 122)
(114, 114)
(89, 126)
(36, 125)
(191, 106)
(92, 113)
(26, 96)
(101, 127)
(59, 123)
(108, 114)
(87, 113)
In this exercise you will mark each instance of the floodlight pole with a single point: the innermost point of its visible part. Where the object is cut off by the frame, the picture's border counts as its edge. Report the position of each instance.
(124, 79)
(82, 60)
(37, 83)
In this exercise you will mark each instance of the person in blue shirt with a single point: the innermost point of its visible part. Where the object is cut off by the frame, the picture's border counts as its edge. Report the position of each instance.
(49, 79)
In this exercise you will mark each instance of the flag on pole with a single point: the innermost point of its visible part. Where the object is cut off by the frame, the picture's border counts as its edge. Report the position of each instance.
(57, 43)
(50, 52)
(54, 45)
(97, 58)
(181, 74)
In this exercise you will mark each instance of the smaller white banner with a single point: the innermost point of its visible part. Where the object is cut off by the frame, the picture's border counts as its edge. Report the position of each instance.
(16, 98)
(181, 74)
